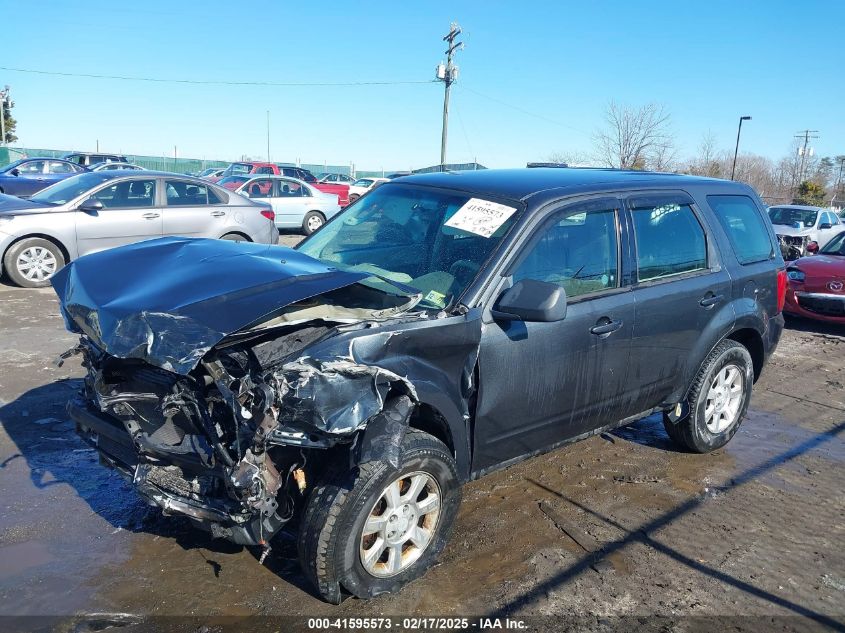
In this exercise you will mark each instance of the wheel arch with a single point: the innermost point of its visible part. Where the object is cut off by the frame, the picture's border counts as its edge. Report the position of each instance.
(241, 233)
(752, 340)
(428, 419)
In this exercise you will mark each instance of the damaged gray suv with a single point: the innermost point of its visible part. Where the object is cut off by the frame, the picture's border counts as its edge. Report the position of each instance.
(441, 327)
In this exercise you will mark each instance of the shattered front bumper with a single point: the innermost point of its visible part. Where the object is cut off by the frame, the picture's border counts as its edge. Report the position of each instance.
(156, 484)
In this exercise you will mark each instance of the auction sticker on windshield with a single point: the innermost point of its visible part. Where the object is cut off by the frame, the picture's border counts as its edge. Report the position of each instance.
(481, 217)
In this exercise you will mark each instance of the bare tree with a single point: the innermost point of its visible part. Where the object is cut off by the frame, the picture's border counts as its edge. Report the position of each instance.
(635, 138)
(573, 159)
(708, 161)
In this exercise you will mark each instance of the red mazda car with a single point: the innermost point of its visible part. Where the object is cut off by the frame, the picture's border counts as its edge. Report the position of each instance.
(817, 284)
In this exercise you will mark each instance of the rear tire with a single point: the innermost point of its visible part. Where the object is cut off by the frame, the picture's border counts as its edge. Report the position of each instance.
(717, 401)
(312, 221)
(31, 262)
(335, 552)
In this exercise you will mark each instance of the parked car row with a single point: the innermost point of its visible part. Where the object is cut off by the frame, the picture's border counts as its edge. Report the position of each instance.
(254, 168)
(97, 210)
(817, 283)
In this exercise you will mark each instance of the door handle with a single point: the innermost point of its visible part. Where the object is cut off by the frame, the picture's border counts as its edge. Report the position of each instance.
(710, 300)
(218, 214)
(151, 216)
(605, 326)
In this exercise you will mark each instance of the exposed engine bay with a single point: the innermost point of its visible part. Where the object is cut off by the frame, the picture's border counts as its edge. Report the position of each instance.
(231, 443)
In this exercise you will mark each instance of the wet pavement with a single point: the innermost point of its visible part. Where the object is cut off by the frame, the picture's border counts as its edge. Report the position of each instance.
(620, 524)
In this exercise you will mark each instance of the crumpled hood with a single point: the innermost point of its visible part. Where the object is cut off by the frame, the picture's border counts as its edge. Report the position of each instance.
(168, 301)
(782, 229)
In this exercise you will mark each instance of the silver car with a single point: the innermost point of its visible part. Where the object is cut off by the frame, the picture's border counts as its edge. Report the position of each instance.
(99, 210)
(297, 205)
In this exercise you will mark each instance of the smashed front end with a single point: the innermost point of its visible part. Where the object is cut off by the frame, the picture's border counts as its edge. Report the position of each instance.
(209, 403)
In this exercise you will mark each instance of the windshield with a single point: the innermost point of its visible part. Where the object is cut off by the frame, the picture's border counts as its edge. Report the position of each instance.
(237, 168)
(789, 216)
(11, 166)
(433, 241)
(836, 246)
(70, 188)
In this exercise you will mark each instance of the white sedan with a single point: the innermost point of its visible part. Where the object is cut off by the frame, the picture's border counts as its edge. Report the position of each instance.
(362, 186)
(295, 203)
(115, 167)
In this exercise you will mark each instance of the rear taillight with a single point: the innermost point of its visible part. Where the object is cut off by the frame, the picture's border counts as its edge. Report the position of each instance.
(782, 283)
(269, 214)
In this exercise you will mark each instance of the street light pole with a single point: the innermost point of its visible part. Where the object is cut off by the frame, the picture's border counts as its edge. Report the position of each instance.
(736, 150)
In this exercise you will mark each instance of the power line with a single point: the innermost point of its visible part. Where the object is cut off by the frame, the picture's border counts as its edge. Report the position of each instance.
(216, 82)
(463, 86)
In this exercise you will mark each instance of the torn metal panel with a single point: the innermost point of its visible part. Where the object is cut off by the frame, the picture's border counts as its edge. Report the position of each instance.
(336, 396)
(169, 301)
(382, 439)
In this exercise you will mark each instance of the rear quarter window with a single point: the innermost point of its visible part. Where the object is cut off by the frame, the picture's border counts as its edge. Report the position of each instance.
(741, 219)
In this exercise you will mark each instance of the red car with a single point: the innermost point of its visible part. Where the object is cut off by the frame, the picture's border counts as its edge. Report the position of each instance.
(817, 284)
(253, 168)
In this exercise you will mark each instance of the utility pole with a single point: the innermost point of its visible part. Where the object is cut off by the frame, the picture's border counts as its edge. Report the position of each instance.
(5, 102)
(268, 136)
(838, 185)
(448, 73)
(806, 135)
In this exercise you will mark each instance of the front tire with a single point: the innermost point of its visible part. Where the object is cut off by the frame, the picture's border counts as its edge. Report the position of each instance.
(717, 401)
(375, 530)
(32, 261)
(312, 221)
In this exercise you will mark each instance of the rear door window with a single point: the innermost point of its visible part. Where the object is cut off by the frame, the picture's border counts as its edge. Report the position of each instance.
(669, 240)
(181, 194)
(741, 219)
(56, 167)
(290, 189)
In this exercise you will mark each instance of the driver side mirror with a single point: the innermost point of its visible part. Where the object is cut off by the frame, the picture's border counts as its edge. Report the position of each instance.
(825, 225)
(531, 300)
(91, 206)
(15, 172)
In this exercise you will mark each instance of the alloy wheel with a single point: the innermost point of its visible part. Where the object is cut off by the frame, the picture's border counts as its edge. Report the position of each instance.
(400, 525)
(724, 399)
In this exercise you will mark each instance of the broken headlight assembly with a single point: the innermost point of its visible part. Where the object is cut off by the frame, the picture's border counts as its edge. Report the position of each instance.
(795, 274)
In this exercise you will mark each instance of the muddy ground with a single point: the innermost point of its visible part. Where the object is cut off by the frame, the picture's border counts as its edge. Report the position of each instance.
(757, 528)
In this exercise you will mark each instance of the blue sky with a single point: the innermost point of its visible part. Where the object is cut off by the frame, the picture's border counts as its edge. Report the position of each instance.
(535, 77)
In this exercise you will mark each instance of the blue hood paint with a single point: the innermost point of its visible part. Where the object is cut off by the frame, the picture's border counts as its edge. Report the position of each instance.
(168, 301)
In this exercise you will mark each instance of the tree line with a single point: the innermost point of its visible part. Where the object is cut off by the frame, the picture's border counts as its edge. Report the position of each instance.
(641, 138)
